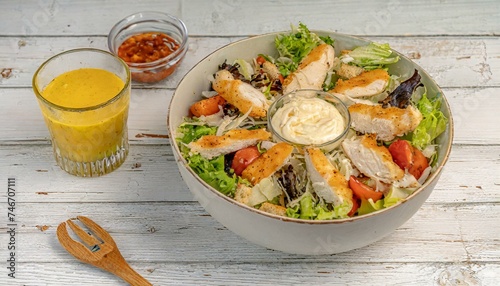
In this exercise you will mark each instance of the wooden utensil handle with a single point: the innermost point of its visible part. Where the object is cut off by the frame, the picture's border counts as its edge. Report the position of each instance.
(116, 264)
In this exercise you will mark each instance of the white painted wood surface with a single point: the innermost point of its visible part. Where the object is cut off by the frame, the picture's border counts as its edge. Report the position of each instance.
(454, 239)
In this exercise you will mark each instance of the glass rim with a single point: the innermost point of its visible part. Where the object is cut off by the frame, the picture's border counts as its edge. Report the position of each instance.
(142, 18)
(39, 95)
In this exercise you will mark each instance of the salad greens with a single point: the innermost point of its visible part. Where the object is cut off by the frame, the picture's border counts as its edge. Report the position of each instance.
(293, 184)
(370, 57)
(191, 131)
(433, 123)
(211, 171)
(295, 46)
(393, 197)
(307, 208)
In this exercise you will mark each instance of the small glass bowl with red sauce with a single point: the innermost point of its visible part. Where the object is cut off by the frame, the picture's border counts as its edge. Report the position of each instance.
(152, 44)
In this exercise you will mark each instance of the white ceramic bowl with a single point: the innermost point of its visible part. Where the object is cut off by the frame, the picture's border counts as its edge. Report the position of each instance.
(288, 234)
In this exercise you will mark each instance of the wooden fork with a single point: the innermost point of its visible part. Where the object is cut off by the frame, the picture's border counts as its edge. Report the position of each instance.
(103, 252)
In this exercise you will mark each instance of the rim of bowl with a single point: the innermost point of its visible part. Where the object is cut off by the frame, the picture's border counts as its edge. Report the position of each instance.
(431, 178)
(39, 95)
(155, 17)
(321, 94)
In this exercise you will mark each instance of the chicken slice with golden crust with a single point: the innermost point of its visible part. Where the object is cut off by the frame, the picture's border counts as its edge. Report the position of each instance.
(210, 146)
(268, 163)
(387, 122)
(327, 181)
(368, 83)
(372, 160)
(240, 94)
(312, 70)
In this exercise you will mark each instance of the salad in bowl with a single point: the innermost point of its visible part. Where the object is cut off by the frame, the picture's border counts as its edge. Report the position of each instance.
(242, 140)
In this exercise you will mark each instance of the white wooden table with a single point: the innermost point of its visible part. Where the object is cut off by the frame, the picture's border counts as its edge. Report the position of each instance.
(454, 239)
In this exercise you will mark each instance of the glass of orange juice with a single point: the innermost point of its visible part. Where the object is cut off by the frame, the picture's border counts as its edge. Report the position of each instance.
(84, 97)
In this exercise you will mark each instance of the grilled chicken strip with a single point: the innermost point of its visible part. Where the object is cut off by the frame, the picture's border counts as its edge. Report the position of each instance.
(240, 94)
(328, 182)
(387, 123)
(368, 83)
(372, 160)
(210, 146)
(312, 70)
(268, 163)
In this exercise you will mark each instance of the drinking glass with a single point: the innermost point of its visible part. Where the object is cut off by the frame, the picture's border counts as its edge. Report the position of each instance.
(91, 140)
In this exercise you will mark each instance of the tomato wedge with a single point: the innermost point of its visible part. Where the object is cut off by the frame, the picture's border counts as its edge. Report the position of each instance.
(207, 106)
(355, 206)
(260, 60)
(407, 157)
(363, 191)
(402, 153)
(420, 163)
(243, 158)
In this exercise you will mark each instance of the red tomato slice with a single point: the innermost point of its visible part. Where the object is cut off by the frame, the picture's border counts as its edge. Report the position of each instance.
(281, 78)
(402, 153)
(355, 206)
(243, 158)
(260, 60)
(420, 163)
(408, 157)
(207, 106)
(363, 191)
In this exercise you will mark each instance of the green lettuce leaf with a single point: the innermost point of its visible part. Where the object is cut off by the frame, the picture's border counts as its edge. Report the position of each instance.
(434, 122)
(369, 206)
(293, 47)
(212, 172)
(372, 56)
(307, 208)
(192, 132)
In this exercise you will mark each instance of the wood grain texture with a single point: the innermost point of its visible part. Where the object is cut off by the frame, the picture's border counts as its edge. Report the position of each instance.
(224, 17)
(453, 239)
(451, 61)
(183, 232)
(471, 107)
(107, 256)
(149, 171)
(274, 273)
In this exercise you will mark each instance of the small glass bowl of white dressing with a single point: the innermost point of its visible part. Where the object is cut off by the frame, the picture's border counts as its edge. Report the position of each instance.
(309, 118)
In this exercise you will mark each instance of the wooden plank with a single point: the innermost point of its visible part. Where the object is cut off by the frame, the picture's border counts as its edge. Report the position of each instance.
(452, 240)
(225, 17)
(24, 55)
(150, 174)
(184, 232)
(471, 107)
(279, 273)
(451, 61)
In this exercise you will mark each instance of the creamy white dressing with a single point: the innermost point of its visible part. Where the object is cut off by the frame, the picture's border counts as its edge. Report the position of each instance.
(308, 121)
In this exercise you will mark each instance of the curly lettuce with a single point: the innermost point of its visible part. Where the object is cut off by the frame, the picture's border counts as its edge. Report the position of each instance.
(295, 46)
(211, 171)
(434, 122)
(192, 131)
